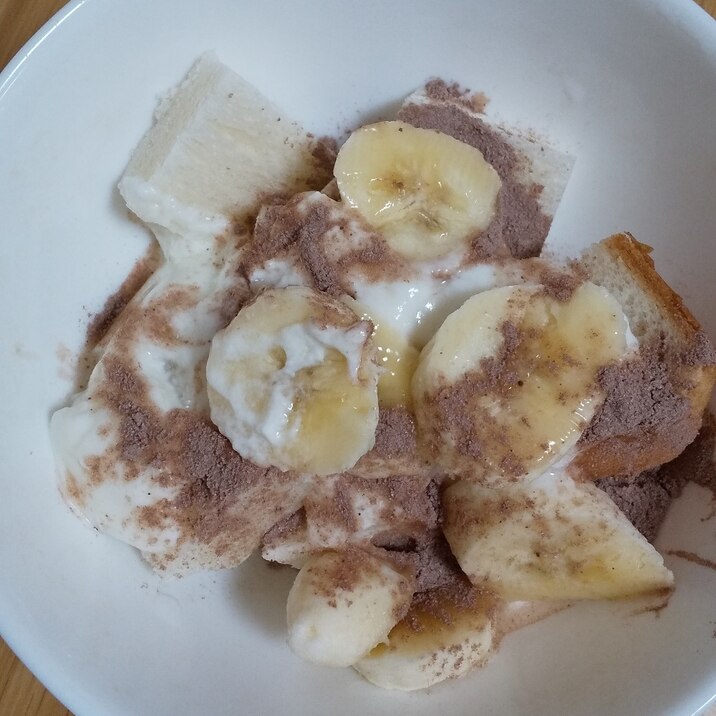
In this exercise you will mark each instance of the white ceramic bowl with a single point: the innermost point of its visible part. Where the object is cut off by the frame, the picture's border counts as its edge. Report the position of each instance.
(629, 87)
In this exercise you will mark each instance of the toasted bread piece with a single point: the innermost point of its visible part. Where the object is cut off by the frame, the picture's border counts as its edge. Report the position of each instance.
(655, 402)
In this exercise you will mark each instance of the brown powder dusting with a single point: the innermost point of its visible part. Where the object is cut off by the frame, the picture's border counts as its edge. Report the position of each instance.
(439, 90)
(330, 506)
(155, 319)
(140, 428)
(220, 495)
(696, 463)
(701, 352)
(402, 508)
(524, 226)
(205, 456)
(645, 499)
(324, 153)
(452, 408)
(375, 260)
(409, 502)
(73, 490)
(490, 244)
(326, 239)
(293, 524)
(431, 560)
(340, 575)
(232, 300)
(439, 606)
(641, 395)
(296, 225)
(559, 283)
(691, 557)
(395, 434)
(100, 322)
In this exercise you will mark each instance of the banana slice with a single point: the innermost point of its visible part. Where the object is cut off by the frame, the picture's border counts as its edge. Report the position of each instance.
(441, 638)
(552, 539)
(292, 382)
(425, 191)
(342, 604)
(507, 384)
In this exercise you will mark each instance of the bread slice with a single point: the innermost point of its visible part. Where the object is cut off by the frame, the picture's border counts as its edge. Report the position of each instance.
(534, 174)
(216, 149)
(655, 402)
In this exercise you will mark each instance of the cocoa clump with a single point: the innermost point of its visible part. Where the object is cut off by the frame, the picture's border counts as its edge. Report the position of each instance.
(325, 238)
(431, 560)
(297, 225)
(558, 283)
(642, 393)
(395, 434)
(645, 499)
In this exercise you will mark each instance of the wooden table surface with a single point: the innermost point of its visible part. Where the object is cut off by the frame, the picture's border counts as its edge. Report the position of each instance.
(20, 693)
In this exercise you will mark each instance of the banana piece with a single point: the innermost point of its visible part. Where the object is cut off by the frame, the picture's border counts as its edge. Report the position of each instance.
(292, 382)
(551, 539)
(425, 191)
(507, 384)
(342, 604)
(444, 641)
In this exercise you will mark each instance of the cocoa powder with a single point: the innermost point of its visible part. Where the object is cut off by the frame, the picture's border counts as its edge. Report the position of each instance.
(431, 560)
(326, 239)
(452, 408)
(395, 434)
(645, 499)
(641, 393)
(101, 322)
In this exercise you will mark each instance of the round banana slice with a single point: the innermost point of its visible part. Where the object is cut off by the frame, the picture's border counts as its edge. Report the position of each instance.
(551, 539)
(342, 604)
(440, 638)
(507, 384)
(426, 192)
(292, 382)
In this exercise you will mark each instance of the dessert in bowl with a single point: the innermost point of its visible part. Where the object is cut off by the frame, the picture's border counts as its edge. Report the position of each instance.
(363, 365)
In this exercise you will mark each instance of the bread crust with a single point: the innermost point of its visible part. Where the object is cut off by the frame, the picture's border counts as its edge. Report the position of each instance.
(636, 257)
(631, 453)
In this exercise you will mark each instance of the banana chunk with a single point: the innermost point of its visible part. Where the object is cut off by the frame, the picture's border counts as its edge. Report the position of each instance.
(425, 191)
(344, 603)
(507, 384)
(552, 539)
(441, 638)
(292, 382)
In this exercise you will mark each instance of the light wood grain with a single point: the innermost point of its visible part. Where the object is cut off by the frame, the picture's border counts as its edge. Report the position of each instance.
(709, 6)
(20, 693)
(19, 20)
